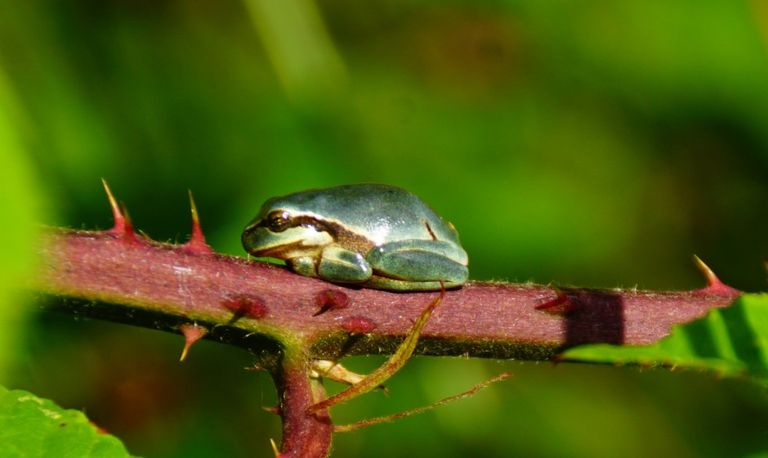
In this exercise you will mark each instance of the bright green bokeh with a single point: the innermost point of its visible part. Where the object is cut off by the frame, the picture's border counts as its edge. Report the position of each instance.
(20, 220)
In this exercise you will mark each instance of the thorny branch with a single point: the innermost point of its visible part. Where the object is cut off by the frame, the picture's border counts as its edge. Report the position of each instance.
(288, 320)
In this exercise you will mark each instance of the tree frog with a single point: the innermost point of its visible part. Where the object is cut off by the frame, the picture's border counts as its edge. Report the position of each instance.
(372, 235)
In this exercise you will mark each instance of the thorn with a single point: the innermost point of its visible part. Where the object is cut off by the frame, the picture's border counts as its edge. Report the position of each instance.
(560, 305)
(272, 410)
(706, 271)
(245, 305)
(192, 333)
(714, 285)
(275, 450)
(358, 325)
(196, 243)
(117, 215)
(127, 229)
(330, 299)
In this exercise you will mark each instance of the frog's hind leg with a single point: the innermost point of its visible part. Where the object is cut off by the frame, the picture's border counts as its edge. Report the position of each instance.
(417, 265)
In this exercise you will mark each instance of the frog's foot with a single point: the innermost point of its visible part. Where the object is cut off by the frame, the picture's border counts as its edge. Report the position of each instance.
(344, 266)
(303, 265)
(389, 368)
(338, 373)
(334, 264)
(393, 284)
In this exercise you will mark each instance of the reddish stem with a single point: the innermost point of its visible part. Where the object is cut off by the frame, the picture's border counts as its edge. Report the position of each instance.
(497, 320)
(304, 434)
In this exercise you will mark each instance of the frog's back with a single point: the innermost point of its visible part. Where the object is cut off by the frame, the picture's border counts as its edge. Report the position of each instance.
(389, 211)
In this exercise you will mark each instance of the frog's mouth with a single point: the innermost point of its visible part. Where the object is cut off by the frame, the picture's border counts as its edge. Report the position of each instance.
(280, 251)
(290, 243)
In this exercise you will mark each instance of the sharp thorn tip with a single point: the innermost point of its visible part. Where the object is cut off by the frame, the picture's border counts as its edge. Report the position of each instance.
(117, 213)
(193, 207)
(714, 284)
(275, 450)
(705, 270)
(196, 243)
(192, 334)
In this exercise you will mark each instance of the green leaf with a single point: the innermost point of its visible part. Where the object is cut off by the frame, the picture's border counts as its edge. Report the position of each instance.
(34, 427)
(732, 342)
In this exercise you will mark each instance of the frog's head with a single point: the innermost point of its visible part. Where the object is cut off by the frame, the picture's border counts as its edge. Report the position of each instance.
(281, 231)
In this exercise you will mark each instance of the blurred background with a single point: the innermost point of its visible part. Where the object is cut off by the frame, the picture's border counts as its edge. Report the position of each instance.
(588, 143)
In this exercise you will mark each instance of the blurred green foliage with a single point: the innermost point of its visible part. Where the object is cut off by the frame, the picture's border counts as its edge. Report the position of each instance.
(591, 143)
(20, 203)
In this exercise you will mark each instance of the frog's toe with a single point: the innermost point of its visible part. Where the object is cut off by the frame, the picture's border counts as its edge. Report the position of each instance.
(393, 284)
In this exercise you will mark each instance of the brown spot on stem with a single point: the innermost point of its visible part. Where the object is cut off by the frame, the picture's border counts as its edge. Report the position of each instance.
(245, 305)
(358, 325)
(330, 299)
(560, 305)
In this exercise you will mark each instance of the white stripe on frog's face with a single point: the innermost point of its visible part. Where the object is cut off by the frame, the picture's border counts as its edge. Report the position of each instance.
(290, 243)
(311, 237)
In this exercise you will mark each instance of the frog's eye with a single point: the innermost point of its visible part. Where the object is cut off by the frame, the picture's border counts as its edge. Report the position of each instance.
(277, 221)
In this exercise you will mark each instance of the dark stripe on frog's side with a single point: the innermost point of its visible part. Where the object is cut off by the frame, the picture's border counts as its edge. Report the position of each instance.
(429, 229)
(343, 236)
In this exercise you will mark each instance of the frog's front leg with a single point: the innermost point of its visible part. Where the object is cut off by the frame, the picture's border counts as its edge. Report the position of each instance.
(339, 265)
(303, 265)
(417, 265)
